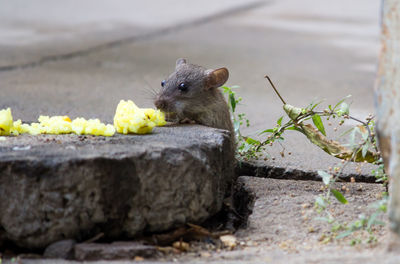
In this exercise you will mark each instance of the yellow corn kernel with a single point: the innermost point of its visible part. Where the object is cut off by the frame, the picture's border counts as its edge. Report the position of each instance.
(131, 119)
(6, 122)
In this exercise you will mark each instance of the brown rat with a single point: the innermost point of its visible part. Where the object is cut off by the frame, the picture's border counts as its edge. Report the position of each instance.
(191, 93)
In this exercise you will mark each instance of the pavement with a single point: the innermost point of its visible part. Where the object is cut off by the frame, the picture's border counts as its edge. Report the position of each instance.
(80, 58)
(33, 31)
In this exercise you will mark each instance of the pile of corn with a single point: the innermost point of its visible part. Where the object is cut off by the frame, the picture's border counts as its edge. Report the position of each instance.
(128, 119)
(131, 119)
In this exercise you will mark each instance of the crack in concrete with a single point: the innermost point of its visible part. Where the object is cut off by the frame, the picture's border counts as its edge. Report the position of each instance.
(146, 36)
(244, 168)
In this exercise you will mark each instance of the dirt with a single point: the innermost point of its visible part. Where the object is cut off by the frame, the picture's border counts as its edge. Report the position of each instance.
(283, 226)
(284, 210)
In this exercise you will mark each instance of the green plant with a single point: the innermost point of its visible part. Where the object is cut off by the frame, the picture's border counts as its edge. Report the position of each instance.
(239, 120)
(361, 146)
(380, 174)
(365, 150)
(364, 223)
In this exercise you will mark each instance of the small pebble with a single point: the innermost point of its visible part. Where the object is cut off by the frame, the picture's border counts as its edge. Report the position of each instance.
(229, 241)
(205, 254)
(180, 245)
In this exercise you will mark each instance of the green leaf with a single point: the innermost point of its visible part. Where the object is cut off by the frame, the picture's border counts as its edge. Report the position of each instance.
(279, 121)
(294, 128)
(326, 177)
(267, 131)
(339, 196)
(316, 104)
(377, 222)
(252, 141)
(365, 149)
(320, 202)
(232, 101)
(346, 132)
(324, 219)
(236, 126)
(357, 224)
(341, 101)
(246, 147)
(318, 123)
(226, 89)
(344, 234)
(343, 110)
(372, 220)
(352, 136)
(336, 227)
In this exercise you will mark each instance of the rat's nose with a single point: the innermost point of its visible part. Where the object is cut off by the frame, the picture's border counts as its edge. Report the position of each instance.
(160, 104)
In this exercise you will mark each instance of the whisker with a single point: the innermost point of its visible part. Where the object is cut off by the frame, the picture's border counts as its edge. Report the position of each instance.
(150, 88)
(145, 93)
(148, 92)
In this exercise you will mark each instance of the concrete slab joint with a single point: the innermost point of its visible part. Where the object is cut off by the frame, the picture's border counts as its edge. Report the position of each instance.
(71, 187)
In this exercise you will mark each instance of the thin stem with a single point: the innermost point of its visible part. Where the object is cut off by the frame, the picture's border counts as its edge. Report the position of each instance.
(276, 91)
(358, 120)
(340, 172)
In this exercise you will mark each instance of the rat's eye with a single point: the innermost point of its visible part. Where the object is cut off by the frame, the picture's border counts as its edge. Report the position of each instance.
(163, 83)
(183, 87)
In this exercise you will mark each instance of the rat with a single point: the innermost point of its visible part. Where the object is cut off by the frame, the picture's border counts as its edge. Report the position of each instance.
(191, 94)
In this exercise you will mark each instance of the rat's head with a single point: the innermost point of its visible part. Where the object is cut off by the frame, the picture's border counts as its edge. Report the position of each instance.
(188, 87)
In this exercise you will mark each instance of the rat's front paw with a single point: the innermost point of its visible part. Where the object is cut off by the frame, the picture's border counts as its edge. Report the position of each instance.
(187, 121)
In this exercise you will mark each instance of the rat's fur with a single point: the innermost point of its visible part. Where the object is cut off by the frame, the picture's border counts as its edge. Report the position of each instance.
(202, 102)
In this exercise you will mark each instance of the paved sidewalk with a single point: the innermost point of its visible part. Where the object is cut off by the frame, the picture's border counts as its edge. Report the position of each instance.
(312, 50)
(32, 31)
(51, 63)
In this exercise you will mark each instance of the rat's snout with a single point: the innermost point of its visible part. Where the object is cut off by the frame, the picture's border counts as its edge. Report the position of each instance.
(160, 103)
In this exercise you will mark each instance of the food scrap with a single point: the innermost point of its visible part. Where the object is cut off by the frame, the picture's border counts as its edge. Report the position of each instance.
(128, 119)
(6, 122)
(63, 125)
(81, 126)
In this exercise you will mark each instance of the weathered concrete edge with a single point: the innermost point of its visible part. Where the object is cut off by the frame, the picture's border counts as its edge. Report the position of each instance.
(287, 173)
(220, 169)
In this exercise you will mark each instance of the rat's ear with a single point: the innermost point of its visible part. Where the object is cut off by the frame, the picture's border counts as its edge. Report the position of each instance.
(180, 61)
(216, 78)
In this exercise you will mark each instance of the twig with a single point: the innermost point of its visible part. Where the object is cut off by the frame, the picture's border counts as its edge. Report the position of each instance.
(276, 91)
(95, 238)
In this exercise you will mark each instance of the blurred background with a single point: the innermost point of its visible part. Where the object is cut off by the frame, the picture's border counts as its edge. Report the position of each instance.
(79, 58)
